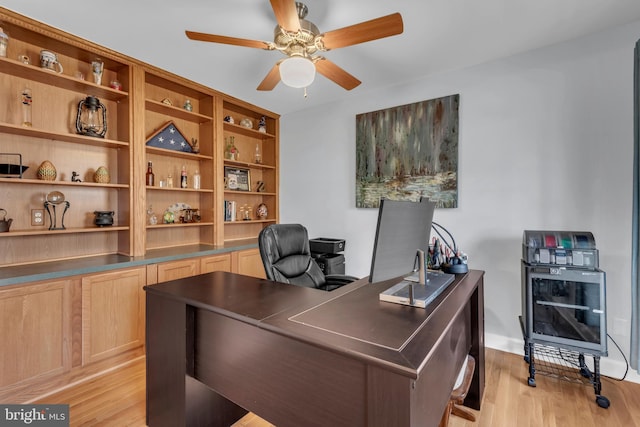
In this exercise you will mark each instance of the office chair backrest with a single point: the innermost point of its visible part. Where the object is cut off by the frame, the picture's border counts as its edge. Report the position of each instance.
(285, 253)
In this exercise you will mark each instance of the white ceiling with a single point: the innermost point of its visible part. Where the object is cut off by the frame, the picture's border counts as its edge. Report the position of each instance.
(438, 35)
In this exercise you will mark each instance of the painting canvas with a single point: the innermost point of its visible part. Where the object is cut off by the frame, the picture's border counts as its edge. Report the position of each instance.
(408, 152)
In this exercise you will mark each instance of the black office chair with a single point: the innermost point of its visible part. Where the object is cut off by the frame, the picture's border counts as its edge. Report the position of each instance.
(285, 253)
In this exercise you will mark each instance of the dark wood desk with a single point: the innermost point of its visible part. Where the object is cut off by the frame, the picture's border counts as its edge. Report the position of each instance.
(220, 344)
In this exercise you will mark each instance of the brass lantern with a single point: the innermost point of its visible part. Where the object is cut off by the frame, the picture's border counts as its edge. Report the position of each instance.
(92, 118)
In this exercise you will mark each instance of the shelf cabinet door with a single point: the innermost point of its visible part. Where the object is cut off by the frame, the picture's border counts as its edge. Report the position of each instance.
(174, 270)
(213, 263)
(112, 313)
(35, 331)
(249, 263)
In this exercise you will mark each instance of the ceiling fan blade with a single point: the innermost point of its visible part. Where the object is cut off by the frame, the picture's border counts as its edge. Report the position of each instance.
(204, 37)
(374, 29)
(286, 14)
(272, 78)
(336, 74)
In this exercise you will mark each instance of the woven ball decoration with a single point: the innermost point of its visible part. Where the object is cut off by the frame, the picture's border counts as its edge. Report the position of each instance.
(46, 171)
(102, 176)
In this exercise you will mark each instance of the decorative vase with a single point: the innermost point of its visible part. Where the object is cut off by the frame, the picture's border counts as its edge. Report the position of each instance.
(102, 176)
(262, 211)
(46, 171)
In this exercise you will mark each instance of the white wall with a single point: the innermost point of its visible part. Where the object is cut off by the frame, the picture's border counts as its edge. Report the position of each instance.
(546, 142)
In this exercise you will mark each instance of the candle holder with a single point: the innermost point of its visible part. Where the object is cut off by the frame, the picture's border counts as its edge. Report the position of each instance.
(52, 201)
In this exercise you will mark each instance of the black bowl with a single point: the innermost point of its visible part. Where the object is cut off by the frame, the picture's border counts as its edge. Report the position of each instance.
(11, 169)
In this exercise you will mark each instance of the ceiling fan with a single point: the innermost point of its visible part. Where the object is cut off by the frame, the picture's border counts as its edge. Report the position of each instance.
(300, 40)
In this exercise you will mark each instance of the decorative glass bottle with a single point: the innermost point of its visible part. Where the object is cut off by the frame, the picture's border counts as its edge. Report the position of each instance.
(26, 100)
(183, 177)
(150, 177)
(258, 157)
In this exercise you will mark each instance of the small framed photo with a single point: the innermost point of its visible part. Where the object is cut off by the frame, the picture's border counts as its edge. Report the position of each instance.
(237, 179)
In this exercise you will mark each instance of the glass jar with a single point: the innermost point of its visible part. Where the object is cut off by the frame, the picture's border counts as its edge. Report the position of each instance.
(196, 180)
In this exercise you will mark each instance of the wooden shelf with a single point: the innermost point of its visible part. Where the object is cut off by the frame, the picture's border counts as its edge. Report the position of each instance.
(37, 74)
(192, 190)
(59, 136)
(228, 162)
(159, 107)
(253, 133)
(133, 114)
(251, 221)
(177, 154)
(251, 193)
(64, 183)
(66, 231)
(181, 224)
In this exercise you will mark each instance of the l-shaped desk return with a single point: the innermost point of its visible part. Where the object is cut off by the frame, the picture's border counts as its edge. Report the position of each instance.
(220, 344)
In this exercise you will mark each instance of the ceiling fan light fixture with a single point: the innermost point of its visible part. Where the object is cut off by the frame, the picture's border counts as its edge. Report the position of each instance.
(297, 71)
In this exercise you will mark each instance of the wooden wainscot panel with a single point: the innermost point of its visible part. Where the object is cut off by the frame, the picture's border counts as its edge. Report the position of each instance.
(152, 274)
(178, 269)
(112, 313)
(213, 263)
(249, 263)
(35, 331)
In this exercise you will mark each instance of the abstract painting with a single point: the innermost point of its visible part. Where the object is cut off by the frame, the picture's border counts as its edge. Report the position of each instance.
(408, 152)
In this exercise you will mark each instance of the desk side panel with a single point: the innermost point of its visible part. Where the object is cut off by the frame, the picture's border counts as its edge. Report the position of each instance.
(174, 398)
(438, 376)
(165, 345)
(390, 398)
(285, 381)
(476, 391)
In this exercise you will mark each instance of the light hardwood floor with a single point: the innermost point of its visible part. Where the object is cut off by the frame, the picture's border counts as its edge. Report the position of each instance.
(118, 400)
